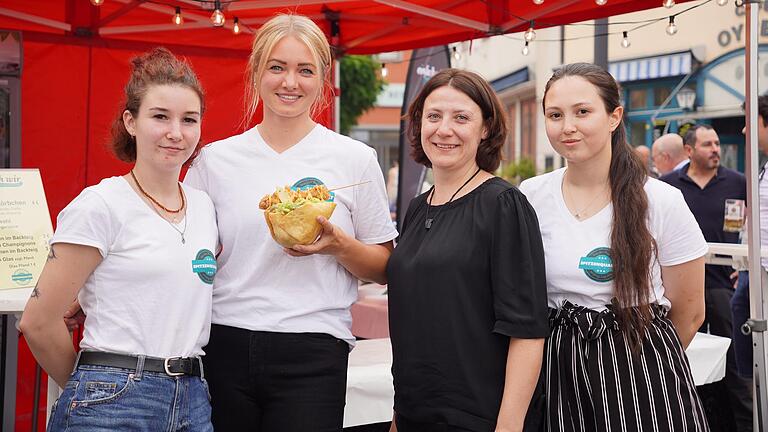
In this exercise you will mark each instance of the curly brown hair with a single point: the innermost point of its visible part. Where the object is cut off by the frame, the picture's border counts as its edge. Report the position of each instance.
(476, 88)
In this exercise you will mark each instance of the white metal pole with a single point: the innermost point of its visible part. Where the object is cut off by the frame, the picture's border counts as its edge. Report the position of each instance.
(757, 305)
(337, 97)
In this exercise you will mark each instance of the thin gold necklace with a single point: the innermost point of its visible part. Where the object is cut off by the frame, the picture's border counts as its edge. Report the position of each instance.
(579, 214)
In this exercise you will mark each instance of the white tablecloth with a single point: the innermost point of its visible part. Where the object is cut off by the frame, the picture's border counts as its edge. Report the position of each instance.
(706, 354)
(370, 393)
(369, 383)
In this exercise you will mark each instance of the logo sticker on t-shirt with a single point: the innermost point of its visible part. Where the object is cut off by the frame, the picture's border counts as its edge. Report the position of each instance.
(597, 265)
(310, 182)
(204, 265)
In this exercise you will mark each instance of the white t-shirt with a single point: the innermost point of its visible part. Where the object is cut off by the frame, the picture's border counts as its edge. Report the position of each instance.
(150, 294)
(259, 286)
(578, 267)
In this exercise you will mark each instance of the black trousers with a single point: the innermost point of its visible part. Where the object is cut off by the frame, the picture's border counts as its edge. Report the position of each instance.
(728, 403)
(276, 382)
(406, 425)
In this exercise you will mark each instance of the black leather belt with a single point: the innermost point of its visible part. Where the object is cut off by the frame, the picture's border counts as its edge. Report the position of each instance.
(173, 366)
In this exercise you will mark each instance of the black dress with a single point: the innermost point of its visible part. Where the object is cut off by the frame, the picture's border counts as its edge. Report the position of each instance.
(457, 293)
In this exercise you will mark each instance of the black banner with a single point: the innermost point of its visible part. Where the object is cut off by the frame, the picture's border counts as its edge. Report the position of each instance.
(425, 63)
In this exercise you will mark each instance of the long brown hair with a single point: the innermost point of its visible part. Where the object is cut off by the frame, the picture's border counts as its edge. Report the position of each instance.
(632, 246)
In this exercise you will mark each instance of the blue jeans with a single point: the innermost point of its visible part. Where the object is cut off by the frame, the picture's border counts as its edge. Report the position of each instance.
(108, 399)
(742, 344)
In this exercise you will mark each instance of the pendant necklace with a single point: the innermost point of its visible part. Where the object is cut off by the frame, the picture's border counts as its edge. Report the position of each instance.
(579, 214)
(428, 221)
(173, 225)
(183, 205)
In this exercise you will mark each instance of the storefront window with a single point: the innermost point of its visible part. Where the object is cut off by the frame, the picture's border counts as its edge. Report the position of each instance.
(549, 163)
(660, 94)
(638, 98)
(528, 112)
(637, 133)
(510, 144)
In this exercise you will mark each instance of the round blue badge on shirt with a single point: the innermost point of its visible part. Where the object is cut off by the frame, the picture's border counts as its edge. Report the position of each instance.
(308, 183)
(204, 265)
(597, 265)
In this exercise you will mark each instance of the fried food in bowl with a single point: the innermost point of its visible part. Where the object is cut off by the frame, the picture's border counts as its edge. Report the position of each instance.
(291, 214)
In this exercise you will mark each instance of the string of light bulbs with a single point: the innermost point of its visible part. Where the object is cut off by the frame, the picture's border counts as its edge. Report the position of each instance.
(218, 19)
(671, 28)
(530, 34)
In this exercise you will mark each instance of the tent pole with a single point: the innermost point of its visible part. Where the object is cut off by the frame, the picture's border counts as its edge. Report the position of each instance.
(337, 96)
(757, 277)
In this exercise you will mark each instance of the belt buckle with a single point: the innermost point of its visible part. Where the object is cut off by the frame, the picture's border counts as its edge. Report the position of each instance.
(166, 366)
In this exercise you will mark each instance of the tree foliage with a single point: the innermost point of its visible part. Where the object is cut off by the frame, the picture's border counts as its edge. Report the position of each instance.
(516, 172)
(360, 86)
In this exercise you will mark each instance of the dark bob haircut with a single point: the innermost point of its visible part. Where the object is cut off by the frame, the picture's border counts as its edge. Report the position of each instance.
(476, 88)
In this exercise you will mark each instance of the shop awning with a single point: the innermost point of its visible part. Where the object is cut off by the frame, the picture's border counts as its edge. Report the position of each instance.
(510, 80)
(712, 112)
(662, 66)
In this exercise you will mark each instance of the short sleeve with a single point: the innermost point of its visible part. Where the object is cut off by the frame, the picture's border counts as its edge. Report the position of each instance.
(679, 237)
(86, 221)
(518, 276)
(197, 175)
(370, 216)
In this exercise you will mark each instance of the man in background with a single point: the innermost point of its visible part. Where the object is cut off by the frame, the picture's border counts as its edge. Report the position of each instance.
(740, 302)
(668, 153)
(645, 155)
(712, 191)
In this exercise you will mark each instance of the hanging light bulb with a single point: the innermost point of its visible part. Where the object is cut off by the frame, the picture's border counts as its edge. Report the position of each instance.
(530, 35)
(601, 2)
(97, 2)
(177, 18)
(218, 18)
(456, 54)
(625, 41)
(722, 2)
(236, 26)
(672, 27)
(668, 3)
(526, 50)
(538, 2)
(384, 71)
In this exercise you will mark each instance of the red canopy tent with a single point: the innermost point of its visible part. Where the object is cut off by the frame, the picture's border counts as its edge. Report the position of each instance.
(357, 27)
(75, 58)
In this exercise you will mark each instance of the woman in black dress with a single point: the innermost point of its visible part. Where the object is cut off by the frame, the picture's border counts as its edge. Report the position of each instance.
(467, 294)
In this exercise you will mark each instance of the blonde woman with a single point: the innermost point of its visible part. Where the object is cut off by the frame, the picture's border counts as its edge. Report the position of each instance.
(277, 358)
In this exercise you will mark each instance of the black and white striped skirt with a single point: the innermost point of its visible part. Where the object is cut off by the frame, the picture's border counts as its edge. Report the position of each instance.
(594, 382)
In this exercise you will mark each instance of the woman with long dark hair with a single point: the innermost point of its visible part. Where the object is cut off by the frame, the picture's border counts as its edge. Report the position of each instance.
(625, 271)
